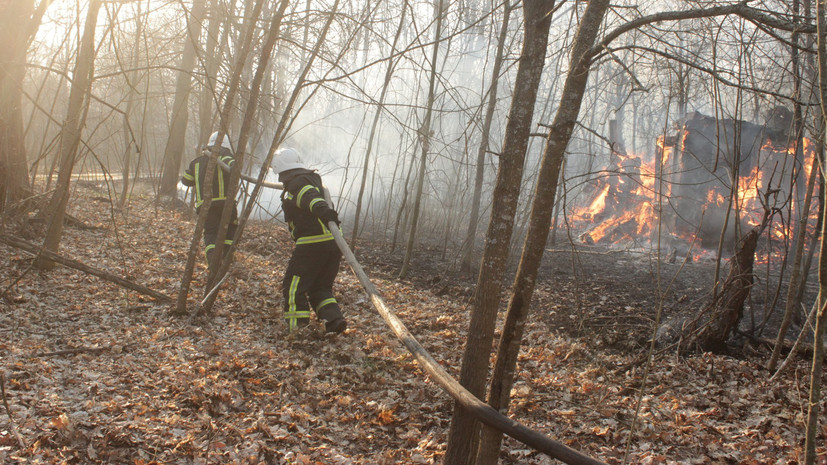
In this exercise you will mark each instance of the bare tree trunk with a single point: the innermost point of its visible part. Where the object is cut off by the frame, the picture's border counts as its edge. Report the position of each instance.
(238, 67)
(70, 132)
(74, 264)
(543, 206)
(211, 59)
(485, 134)
(46, 144)
(559, 203)
(791, 305)
(729, 306)
(174, 151)
(425, 136)
(733, 212)
(403, 206)
(464, 432)
(818, 354)
(19, 20)
(235, 173)
(388, 74)
(811, 69)
(131, 145)
(454, 194)
(810, 454)
(283, 127)
(815, 239)
(244, 132)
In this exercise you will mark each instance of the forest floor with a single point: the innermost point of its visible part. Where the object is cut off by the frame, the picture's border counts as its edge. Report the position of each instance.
(93, 373)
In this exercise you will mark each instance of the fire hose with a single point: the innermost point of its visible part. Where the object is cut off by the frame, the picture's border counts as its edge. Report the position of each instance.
(482, 411)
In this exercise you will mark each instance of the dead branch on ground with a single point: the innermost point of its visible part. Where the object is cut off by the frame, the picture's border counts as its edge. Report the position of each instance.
(75, 351)
(8, 411)
(68, 262)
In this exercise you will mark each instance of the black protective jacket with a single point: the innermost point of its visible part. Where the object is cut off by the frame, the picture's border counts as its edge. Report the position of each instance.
(304, 205)
(195, 176)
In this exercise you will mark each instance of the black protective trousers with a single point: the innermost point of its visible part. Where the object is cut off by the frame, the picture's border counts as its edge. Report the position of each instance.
(308, 282)
(211, 225)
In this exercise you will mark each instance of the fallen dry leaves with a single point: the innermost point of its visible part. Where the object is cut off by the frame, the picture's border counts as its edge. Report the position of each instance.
(143, 387)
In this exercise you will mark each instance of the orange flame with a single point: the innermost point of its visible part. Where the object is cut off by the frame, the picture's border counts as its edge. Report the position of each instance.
(624, 206)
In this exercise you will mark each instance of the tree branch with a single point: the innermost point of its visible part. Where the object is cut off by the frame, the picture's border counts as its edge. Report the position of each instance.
(740, 9)
(8, 411)
(68, 262)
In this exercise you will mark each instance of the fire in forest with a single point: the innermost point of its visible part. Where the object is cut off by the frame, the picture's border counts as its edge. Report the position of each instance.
(707, 176)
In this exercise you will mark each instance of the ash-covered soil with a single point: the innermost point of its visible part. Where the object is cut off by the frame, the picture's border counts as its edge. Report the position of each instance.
(613, 297)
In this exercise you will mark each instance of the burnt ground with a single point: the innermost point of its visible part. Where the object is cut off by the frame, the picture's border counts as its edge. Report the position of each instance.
(94, 374)
(611, 297)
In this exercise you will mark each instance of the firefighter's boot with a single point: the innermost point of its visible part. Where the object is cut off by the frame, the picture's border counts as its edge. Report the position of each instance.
(334, 321)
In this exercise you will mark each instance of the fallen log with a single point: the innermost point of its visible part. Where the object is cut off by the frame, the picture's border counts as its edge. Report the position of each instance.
(68, 220)
(75, 351)
(74, 264)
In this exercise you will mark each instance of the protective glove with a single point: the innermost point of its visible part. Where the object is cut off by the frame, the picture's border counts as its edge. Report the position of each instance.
(330, 215)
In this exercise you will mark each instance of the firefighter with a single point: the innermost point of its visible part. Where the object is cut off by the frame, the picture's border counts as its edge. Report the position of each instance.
(195, 176)
(314, 264)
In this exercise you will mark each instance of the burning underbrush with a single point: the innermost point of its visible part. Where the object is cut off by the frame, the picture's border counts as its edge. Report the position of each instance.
(697, 191)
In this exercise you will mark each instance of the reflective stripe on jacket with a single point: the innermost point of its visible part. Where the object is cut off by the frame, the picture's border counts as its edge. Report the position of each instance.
(196, 173)
(303, 202)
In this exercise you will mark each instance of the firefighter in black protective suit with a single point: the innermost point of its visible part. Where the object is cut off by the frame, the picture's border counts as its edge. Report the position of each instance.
(314, 264)
(195, 176)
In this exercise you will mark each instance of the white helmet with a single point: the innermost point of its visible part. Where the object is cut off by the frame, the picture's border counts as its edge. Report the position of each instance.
(287, 158)
(224, 143)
